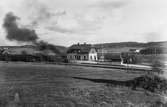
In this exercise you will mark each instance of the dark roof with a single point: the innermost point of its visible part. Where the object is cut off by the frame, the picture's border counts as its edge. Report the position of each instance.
(79, 48)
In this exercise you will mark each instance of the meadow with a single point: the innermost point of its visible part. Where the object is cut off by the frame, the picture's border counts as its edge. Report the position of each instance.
(49, 85)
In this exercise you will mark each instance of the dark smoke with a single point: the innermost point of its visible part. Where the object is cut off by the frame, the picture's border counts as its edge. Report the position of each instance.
(16, 33)
(46, 46)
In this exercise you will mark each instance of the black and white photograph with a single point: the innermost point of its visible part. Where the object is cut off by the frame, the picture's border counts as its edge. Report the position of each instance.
(83, 53)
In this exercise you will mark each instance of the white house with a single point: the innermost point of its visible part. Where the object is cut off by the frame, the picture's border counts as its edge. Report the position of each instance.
(82, 53)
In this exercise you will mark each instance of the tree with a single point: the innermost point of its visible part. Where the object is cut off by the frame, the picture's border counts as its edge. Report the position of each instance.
(129, 58)
(157, 67)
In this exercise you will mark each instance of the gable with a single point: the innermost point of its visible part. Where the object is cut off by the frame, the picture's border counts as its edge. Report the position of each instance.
(92, 50)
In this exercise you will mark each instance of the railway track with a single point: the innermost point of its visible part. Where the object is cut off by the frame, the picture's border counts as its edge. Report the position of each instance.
(112, 66)
(99, 65)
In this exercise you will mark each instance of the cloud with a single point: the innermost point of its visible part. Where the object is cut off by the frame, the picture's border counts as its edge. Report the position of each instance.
(59, 29)
(110, 4)
(155, 36)
(89, 24)
(76, 24)
(42, 14)
(38, 12)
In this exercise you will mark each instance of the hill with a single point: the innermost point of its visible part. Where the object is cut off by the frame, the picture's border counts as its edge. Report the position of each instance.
(31, 49)
(131, 44)
(125, 46)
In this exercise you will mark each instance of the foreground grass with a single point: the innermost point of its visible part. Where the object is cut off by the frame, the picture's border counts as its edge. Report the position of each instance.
(44, 85)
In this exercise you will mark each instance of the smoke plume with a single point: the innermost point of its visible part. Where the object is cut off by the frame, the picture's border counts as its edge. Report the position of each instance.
(42, 45)
(14, 32)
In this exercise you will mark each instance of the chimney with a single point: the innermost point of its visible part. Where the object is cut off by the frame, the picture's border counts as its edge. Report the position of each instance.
(84, 43)
(78, 44)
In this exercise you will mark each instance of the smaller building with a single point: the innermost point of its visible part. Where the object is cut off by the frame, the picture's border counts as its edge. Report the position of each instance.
(82, 53)
(134, 50)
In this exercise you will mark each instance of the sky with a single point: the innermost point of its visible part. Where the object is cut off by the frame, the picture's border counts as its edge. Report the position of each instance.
(65, 22)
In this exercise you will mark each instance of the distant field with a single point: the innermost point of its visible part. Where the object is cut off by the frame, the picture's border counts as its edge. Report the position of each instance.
(44, 85)
(149, 59)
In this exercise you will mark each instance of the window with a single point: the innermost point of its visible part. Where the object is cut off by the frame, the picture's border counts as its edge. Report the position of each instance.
(90, 57)
(84, 57)
(78, 57)
(94, 57)
(75, 57)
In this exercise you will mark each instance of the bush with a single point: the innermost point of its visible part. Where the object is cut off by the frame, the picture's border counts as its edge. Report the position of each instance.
(152, 83)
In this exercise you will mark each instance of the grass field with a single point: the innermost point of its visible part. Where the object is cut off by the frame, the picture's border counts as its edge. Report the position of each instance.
(47, 85)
